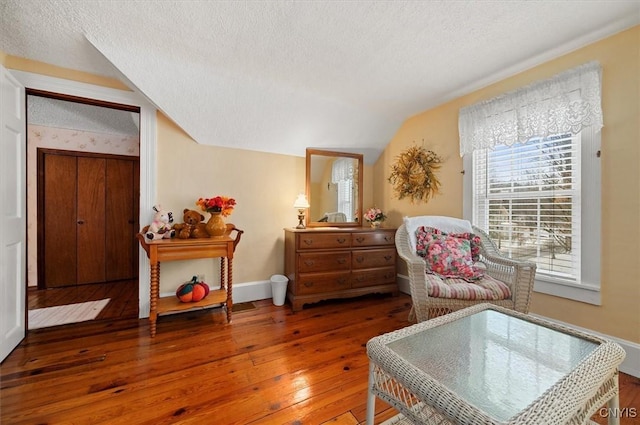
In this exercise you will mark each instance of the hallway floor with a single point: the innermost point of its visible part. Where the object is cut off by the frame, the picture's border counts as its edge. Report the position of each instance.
(123, 295)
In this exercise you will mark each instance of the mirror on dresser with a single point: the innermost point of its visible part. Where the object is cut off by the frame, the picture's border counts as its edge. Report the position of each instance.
(334, 188)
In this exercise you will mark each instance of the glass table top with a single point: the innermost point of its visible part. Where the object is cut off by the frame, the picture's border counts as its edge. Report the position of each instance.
(496, 362)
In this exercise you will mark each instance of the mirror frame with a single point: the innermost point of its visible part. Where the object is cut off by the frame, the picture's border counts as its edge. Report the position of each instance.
(335, 154)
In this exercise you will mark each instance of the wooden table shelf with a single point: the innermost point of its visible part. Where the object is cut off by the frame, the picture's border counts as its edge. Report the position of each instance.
(174, 305)
(161, 250)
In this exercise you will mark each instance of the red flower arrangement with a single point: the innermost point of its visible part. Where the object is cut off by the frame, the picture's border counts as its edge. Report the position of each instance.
(221, 204)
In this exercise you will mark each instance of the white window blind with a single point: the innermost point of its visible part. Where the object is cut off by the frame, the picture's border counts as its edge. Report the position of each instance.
(345, 198)
(344, 171)
(528, 197)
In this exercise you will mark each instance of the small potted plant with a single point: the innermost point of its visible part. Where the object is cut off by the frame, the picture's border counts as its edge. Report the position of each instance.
(375, 217)
(218, 207)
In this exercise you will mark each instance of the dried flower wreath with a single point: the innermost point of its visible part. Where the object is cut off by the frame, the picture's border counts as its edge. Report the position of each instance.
(413, 175)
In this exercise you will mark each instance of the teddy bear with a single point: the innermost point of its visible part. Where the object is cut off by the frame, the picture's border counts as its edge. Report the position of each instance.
(161, 226)
(193, 227)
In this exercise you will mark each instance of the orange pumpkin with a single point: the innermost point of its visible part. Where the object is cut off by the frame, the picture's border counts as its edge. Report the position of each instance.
(192, 291)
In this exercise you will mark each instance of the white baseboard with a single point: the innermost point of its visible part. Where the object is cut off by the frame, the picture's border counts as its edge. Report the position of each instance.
(631, 363)
(245, 292)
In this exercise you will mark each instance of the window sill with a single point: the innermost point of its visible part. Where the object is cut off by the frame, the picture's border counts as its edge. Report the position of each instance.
(582, 293)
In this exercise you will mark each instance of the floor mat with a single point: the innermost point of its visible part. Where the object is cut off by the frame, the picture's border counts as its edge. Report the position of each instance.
(63, 314)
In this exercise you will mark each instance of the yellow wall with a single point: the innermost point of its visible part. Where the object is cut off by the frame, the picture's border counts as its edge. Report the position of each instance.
(27, 65)
(265, 186)
(619, 314)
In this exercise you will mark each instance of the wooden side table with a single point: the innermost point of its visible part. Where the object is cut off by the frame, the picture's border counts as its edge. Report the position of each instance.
(162, 250)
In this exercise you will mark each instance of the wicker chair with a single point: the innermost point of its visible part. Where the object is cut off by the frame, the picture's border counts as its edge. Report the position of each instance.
(518, 275)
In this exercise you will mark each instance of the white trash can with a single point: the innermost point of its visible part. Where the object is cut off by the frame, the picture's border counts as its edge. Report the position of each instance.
(279, 288)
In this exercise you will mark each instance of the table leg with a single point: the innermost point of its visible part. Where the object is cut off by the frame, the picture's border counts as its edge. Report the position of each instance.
(223, 273)
(614, 410)
(371, 398)
(229, 289)
(153, 301)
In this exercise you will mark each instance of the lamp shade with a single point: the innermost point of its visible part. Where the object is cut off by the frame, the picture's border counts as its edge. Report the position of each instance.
(301, 202)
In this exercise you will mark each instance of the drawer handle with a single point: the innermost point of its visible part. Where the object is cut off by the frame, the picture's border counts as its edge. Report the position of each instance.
(388, 238)
(341, 240)
(388, 275)
(308, 241)
(359, 259)
(309, 263)
(360, 239)
(387, 257)
(308, 284)
(341, 281)
(360, 278)
(341, 260)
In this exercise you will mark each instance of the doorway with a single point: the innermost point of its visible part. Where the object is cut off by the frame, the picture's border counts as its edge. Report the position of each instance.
(105, 136)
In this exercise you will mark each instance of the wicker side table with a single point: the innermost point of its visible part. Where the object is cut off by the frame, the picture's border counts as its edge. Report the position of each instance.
(490, 365)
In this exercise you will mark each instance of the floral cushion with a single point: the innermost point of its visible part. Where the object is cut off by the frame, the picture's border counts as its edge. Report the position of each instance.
(473, 239)
(449, 255)
(486, 288)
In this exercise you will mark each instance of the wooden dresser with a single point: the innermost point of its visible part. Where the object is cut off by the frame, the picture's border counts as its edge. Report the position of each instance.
(328, 263)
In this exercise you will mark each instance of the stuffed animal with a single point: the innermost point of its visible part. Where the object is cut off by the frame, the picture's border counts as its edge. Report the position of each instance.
(192, 291)
(161, 226)
(193, 227)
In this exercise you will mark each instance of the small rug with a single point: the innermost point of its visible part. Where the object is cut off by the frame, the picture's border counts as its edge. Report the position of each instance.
(63, 314)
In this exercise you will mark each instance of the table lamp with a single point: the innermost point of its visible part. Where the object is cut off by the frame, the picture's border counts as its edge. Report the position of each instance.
(301, 204)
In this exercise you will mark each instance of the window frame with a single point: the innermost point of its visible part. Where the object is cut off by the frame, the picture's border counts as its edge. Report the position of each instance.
(588, 288)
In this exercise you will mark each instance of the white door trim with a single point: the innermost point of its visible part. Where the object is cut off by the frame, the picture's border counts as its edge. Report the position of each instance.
(148, 143)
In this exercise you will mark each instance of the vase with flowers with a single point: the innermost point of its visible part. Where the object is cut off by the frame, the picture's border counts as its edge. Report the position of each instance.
(218, 207)
(375, 217)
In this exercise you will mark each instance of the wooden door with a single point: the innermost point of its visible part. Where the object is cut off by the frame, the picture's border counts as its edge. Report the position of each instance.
(122, 193)
(91, 220)
(57, 248)
(89, 206)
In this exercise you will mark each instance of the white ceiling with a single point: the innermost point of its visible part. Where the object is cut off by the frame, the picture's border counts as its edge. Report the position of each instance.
(78, 116)
(280, 76)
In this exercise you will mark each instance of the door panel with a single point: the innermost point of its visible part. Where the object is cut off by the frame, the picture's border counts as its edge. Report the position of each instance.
(120, 254)
(12, 213)
(91, 220)
(58, 227)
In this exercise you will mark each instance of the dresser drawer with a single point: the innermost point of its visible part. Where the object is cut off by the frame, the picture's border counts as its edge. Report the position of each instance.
(325, 261)
(378, 238)
(323, 240)
(370, 258)
(373, 277)
(316, 283)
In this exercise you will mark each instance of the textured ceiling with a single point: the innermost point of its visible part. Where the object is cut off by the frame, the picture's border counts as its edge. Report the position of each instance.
(280, 76)
(77, 116)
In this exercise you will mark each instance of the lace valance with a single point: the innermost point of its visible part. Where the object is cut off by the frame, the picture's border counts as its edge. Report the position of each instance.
(565, 103)
(343, 169)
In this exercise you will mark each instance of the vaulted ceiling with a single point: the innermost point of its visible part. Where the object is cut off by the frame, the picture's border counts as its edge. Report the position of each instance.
(280, 76)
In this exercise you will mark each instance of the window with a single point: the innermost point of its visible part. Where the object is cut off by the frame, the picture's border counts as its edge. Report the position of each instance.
(343, 173)
(540, 201)
(527, 196)
(532, 178)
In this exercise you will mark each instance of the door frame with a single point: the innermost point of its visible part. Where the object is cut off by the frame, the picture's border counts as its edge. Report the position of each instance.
(148, 150)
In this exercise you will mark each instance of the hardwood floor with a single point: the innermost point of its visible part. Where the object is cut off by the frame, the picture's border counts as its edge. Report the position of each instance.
(269, 366)
(123, 297)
